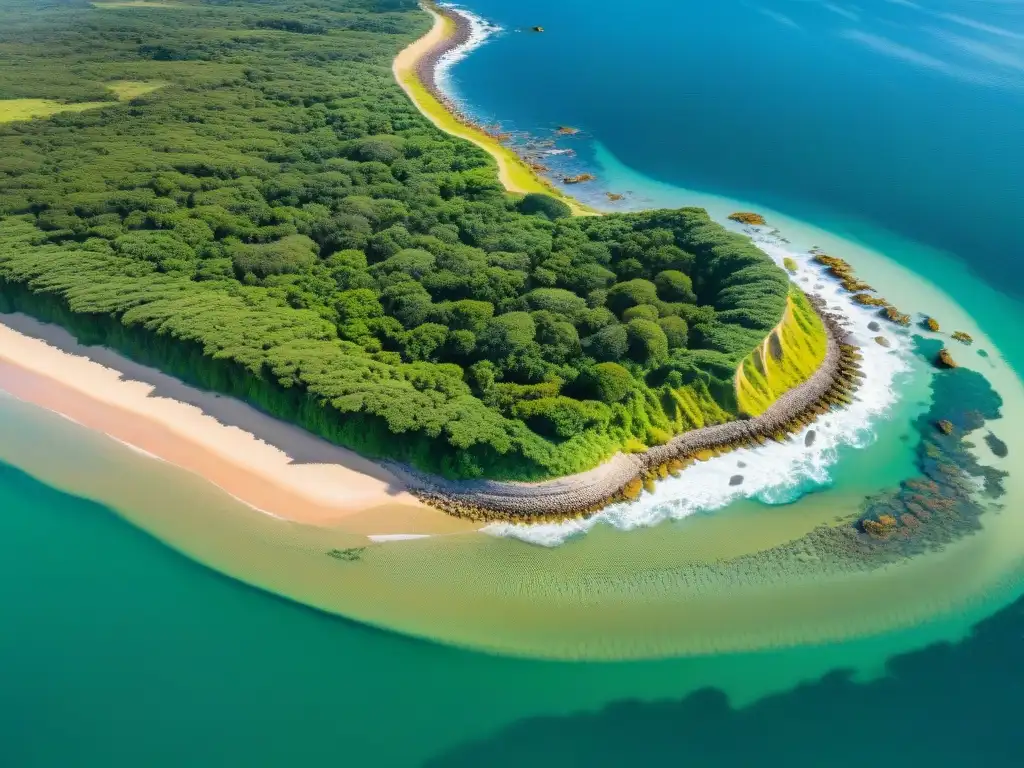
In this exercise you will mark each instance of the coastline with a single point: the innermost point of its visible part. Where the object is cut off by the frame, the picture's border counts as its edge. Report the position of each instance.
(415, 70)
(273, 467)
(281, 470)
(624, 476)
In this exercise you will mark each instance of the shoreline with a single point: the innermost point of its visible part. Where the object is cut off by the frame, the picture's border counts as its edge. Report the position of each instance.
(415, 71)
(624, 477)
(273, 467)
(279, 469)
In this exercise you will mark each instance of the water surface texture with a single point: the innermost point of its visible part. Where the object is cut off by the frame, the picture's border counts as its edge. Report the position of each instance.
(888, 133)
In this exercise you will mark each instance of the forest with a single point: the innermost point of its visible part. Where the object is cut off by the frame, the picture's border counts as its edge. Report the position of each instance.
(271, 218)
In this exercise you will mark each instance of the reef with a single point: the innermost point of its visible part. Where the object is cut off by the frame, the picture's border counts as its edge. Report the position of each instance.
(943, 502)
(349, 555)
(566, 130)
(997, 446)
(746, 217)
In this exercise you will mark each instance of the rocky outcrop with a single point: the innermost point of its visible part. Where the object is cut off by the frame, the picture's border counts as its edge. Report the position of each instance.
(624, 476)
(579, 179)
(945, 359)
(963, 337)
(746, 217)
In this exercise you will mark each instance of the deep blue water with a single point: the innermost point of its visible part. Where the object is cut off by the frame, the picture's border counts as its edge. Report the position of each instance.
(907, 115)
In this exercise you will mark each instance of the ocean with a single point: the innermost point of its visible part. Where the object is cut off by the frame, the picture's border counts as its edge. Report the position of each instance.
(885, 133)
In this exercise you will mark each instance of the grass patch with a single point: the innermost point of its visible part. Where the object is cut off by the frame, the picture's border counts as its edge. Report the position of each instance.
(788, 357)
(126, 90)
(13, 110)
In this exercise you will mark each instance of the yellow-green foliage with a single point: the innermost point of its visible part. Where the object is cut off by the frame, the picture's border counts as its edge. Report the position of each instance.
(764, 375)
(12, 110)
(126, 90)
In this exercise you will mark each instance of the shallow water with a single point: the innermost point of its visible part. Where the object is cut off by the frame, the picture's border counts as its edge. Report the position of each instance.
(139, 656)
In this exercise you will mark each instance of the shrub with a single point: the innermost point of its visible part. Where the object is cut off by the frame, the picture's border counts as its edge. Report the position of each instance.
(675, 286)
(608, 382)
(535, 202)
(622, 296)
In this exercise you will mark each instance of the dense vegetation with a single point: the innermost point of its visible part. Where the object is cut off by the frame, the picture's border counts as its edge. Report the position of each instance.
(279, 223)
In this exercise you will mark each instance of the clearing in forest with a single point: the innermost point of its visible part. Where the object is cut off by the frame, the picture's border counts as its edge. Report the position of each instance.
(12, 110)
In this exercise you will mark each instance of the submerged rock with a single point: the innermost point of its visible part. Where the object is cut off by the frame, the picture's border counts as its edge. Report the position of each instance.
(579, 179)
(812, 435)
(873, 326)
(963, 337)
(882, 341)
(997, 446)
(945, 426)
(736, 480)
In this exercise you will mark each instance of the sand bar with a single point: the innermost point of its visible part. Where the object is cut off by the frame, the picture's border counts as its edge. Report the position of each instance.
(275, 467)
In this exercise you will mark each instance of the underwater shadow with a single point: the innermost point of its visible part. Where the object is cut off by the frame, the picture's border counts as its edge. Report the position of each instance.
(945, 705)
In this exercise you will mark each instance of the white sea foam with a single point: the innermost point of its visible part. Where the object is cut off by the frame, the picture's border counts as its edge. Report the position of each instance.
(774, 473)
(480, 31)
(384, 537)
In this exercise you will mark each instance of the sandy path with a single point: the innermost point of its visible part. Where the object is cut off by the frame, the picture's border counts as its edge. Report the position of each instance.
(273, 466)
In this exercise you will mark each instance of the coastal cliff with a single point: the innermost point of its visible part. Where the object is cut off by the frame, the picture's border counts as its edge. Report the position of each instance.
(624, 475)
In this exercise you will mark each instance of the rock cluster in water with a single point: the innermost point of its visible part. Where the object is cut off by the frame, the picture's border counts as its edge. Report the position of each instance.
(863, 293)
(942, 503)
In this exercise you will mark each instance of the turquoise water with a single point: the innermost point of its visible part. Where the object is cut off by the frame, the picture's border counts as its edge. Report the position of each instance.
(117, 651)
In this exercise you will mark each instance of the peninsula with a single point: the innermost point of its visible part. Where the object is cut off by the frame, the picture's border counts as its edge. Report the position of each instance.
(428, 303)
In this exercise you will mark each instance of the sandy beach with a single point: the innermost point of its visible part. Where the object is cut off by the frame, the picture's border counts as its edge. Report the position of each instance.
(444, 35)
(275, 467)
(415, 71)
